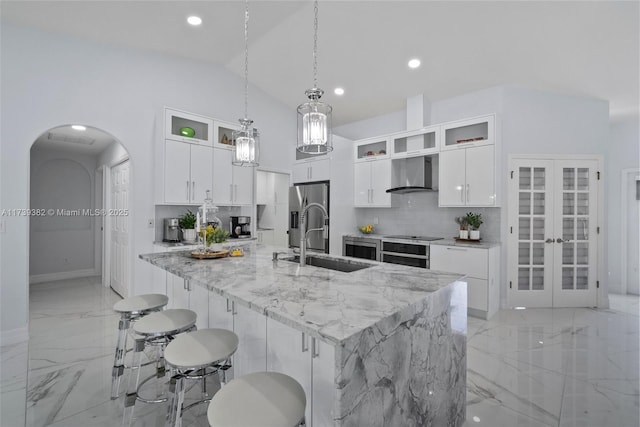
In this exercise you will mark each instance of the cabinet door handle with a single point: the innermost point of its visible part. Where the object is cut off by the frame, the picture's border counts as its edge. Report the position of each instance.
(188, 198)
(305, 346)
(235, 192)
(233, 308)
(467, 193)
(230, 192)
(456, 249)
(229, 309)
(193, 189)
(315, 348)
(461, 195)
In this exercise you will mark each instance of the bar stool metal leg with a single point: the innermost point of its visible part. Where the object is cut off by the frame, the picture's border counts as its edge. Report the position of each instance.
(121, 350)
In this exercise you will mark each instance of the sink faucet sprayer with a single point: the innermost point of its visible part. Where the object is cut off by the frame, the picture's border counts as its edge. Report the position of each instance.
(303, 226)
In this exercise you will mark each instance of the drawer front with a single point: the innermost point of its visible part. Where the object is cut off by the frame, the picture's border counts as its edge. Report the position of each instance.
(458, 259)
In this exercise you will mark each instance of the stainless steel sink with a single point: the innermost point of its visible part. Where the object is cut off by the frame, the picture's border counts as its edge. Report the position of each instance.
(346, 266)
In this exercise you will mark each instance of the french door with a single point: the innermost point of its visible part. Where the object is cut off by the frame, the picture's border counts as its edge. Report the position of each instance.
(552, 214)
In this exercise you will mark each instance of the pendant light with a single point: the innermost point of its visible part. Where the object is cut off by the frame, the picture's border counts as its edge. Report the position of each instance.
(246, 147)
(314, 117)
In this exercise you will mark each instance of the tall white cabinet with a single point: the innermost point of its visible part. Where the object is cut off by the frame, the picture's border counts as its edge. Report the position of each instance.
(467, 172)
(186, 162)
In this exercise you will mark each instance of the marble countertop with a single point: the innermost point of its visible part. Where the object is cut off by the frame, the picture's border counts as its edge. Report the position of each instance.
(443, 242)
(329, 305)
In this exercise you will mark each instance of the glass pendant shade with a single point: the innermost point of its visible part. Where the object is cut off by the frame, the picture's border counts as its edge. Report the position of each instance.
(314, 125)
(246, 149)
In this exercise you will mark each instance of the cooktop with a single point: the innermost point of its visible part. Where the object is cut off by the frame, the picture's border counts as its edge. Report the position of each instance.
(427, 238)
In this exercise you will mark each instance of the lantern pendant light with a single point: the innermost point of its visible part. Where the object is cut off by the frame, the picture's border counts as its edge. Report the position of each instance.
(314, 117)
(246, 147)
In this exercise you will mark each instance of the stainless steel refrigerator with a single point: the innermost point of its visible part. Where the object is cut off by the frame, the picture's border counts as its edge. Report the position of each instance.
(300, 195)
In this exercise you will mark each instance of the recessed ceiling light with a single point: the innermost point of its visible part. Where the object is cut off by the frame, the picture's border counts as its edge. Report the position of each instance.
(194, 20)
(338, 91)
(78, 127)
(414, 63)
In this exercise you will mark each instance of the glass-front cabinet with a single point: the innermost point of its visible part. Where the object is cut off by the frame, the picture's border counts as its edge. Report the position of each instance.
(421, 142)
(188, 127)
(371, 149)
(471, 132)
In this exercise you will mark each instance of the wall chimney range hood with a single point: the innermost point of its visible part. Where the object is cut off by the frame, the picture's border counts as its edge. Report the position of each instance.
(411, 175)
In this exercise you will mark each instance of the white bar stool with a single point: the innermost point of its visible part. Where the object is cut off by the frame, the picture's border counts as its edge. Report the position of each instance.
(265, 399)
(131, 309)
(155, 330)
(195, 356)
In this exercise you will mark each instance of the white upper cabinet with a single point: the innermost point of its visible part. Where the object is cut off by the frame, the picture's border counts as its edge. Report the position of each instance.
(188, 127)
(232, 185)
(466, 133)
(187, 172)
(371, 181)
(312, 169)
(421, 142)
(467, 177)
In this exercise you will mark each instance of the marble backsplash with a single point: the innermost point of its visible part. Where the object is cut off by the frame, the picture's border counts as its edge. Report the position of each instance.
(419, 214)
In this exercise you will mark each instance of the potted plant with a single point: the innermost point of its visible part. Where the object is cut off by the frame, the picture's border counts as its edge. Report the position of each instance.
(462, 222)
(214, 237)
(474, 220)
(187, 223)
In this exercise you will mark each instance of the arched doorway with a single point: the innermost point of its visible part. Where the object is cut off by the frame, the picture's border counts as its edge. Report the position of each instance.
(81, 224)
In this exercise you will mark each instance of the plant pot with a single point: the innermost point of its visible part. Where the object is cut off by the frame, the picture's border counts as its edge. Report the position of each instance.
(189, 235)
(474, 234)
(464, 234)
(215, 247)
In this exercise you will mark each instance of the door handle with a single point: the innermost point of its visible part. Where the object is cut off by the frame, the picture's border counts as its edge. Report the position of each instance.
(467, 193)
(549, 240)
(305, 346)
(231, 192)
(461, 195)
(229, 309)
(193, 189)
(315, 350)
(188, 198)
(559, 240)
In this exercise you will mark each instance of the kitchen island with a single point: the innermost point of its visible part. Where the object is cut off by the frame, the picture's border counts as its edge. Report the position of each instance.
(397, 335)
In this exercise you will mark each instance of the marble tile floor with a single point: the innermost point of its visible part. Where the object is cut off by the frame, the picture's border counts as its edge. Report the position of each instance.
(536, 367)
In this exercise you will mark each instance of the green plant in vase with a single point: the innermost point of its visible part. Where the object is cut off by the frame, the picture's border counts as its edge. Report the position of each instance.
(187, 223)
(474, 221)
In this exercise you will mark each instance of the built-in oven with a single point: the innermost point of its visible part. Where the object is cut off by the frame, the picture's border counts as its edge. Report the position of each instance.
(361, 247)
(405, 253)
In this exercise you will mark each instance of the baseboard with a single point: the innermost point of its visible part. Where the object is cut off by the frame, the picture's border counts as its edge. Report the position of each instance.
(14, 336)
(63, 275)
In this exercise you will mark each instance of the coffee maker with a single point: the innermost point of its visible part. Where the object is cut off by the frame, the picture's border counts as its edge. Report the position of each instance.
(171, 230)
(240, 227)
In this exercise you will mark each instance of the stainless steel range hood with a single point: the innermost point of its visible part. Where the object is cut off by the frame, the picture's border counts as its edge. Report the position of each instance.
(413, 174)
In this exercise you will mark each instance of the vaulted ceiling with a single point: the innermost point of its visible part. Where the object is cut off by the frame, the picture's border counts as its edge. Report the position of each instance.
(587, 48)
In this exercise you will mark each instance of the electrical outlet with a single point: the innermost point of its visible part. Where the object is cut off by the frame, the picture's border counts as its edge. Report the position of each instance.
(150, 223)
(375, 220)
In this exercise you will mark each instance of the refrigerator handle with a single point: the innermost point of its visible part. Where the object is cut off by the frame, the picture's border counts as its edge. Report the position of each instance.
(293, 219)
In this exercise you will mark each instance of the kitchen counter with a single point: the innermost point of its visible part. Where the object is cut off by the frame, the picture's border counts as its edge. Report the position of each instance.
(452, 242)
(399, 333)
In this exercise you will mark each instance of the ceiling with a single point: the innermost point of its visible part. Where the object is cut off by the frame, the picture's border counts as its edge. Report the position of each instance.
(585, 48)
(91, 141)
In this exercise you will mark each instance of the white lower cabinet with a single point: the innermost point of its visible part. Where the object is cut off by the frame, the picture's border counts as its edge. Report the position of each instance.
(199, 302)
(308, 360)
(249, 325)
(251, 328)
(481, 265)
(177, 292)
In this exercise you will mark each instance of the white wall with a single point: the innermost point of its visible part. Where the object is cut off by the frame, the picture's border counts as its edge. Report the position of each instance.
(623, 153)
(49, 80)
(374, 126)
(61, 243)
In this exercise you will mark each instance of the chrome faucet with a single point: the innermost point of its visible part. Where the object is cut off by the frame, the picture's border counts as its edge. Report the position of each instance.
(303, 226)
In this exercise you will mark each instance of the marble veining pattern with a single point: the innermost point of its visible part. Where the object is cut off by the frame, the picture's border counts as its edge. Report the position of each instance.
(326, 304)
(399, 333)
(591, 354)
